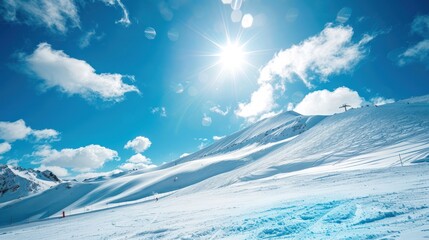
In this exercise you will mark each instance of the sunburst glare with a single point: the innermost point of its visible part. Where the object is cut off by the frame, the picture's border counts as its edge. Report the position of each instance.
(232, 56)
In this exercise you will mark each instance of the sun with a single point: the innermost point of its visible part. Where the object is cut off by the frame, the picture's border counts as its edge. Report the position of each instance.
(232, 56)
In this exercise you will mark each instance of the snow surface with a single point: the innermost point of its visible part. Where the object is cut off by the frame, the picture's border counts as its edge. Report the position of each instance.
(361, 174)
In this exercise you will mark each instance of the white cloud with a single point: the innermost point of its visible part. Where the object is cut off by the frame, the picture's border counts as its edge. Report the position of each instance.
(261, 101)
(54, 15)
(420, 51)
(138, 144)
(184, 155)
(125, 20)
(13, 162)
(74, 76)
(325, 102)
(218, 110)
(12, 131)
(81, 159)
(161, 110)
(268, 115)
(83, 176)
(382, 101)
(58, 171)
(45, 134)
(216, 138)
(330, 52)
(206, 121)
(137, 161)
(5, 147)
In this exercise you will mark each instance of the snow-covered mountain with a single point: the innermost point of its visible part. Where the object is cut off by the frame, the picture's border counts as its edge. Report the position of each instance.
(270, 130)
(17, 182)
(285, 145)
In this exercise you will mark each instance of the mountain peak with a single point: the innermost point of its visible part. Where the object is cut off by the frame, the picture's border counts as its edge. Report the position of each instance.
(17, 182)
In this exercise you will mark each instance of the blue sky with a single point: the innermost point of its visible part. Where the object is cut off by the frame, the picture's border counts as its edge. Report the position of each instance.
(107, 85)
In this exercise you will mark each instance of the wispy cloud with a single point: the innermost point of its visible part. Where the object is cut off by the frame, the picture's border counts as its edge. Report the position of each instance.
(179, 88)
(381, 101)
(161, 110)
(203, 142)
(420, 26)
(81, 159)
(45, 134)
(217, 109)
(418, 52)
(74, 76)
(54, 15)
(88, 37)
(18, 130)
(206, 121)
(125, 20)
(330, 52)
(202, 145)
(57, 16)
(13, 162)
(87, 175)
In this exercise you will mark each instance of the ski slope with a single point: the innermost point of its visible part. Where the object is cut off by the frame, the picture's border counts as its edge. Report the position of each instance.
(355, 175)
(385, 203)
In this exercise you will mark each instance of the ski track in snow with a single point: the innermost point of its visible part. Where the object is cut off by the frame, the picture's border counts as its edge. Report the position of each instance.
(348, 205)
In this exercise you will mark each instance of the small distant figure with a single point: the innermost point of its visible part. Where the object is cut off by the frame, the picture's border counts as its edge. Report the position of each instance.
(156, 199)
(64, 214)
(345, 106)
(176, 178)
